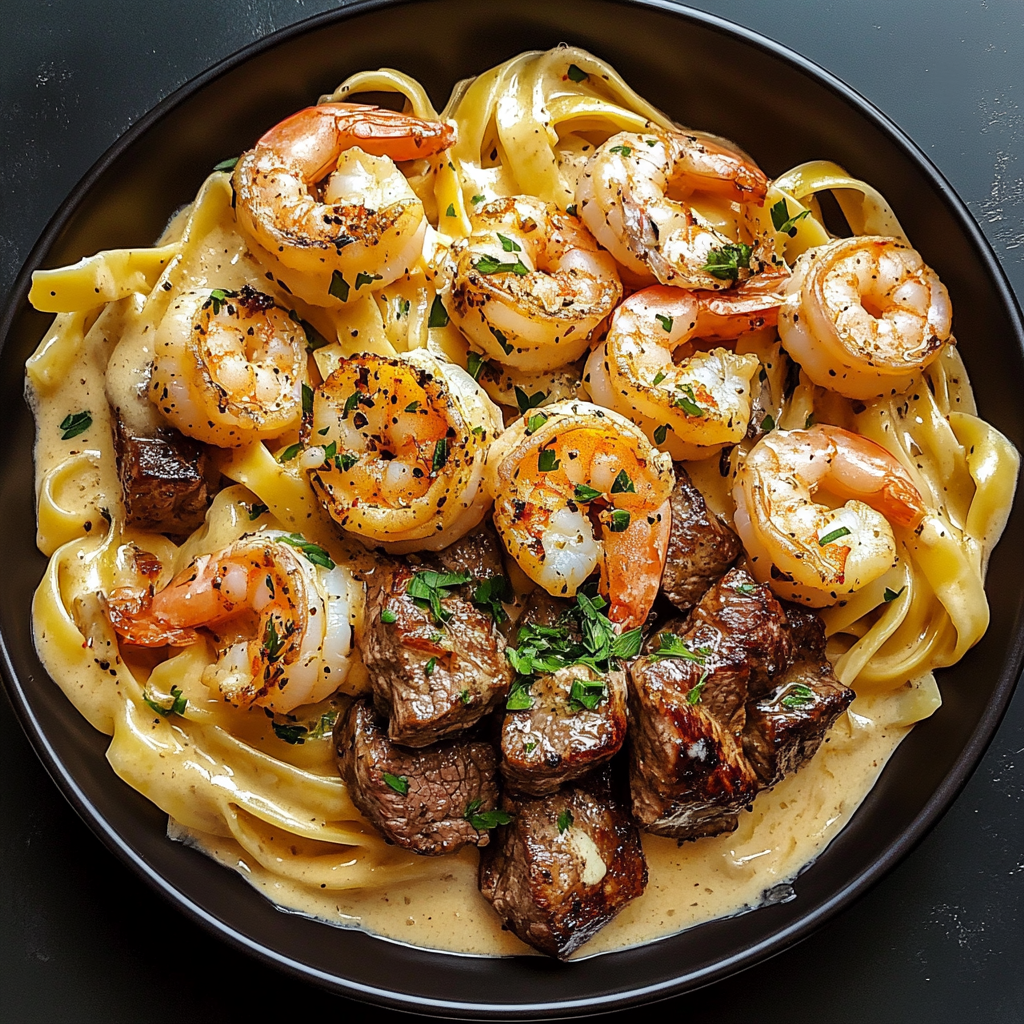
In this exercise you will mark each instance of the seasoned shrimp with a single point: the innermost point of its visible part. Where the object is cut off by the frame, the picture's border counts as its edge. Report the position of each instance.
(811, 552)
(529, 285)
(863, 315)
(562, 472)
(228, 367)
(627, 197)
(279, 608)
(693, 407)
(400, 449)
(369, 225)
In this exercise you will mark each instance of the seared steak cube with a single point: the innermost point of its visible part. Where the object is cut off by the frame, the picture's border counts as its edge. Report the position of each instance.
(163, 477)
(421, 800)
(565, 865)
(688, 703)
(576, 720)
(437, 665)
(700, 546)
(785, 728)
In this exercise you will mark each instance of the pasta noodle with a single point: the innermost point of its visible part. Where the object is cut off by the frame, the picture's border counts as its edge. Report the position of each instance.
(261, 790)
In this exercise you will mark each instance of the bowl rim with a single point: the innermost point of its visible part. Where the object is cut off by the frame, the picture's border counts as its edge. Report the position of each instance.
(937, 804)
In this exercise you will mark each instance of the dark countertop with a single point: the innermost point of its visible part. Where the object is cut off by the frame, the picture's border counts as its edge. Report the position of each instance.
(940, 939)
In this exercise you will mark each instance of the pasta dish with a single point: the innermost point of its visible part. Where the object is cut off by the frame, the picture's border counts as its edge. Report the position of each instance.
(524, 523)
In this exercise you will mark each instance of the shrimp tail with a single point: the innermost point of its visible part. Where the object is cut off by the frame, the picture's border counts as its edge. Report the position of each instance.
(130, 612)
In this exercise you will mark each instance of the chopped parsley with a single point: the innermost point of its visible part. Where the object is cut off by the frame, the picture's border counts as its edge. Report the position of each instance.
(833, 535)
(227, 165)
(781, 220)
(256, 509)
(891, 595)
(290, 452)
(219, 299)
(768, 423)
(660, 433)
(547, 460)
(403, 307)
(586, 693)
(450, 212)
(519, 697)
(500, 339)
(527, 402)
(658, 378)
(797, 696)
(364, 278)
(509, 244)
(622, 484)
(440, 455)
(345, 461)
(387, 616)
(273, 643)
(489, 594)
(399, 783)
(465, 697)
(671, 645)
(571, 209)
(584, 492)
(438, 314)
(693, 697)
(622, 150)
(313, 552)
(74, 424)
(290, 733)
(474, 364)
(665, 321)
(324, 726)
(428, 588)
(565, 821)
(339, 286)
(476, 200)
(746, 589)
(492, 265)
(535, 422)
(576, 74)
(307, 399)
(428, 669)
(484, 820)
(687, 401)
(726, 262)
(177, 705)
(619, 522)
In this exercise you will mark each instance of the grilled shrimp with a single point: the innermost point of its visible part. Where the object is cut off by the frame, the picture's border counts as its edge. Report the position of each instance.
(279, 608)
(693, 407)
(400, 449)
(529, 285)
(228, 367)
(811, 552)
(624, 198)
(368, 226)
(561, 473)
(862, 315)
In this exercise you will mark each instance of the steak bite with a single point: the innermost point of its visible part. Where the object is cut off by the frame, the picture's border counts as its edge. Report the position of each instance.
(436, 659)
(786, 727)
(700, 546)
(575, 721)
(163, 477)
(421, 800)
(688, 703)
(565, 865)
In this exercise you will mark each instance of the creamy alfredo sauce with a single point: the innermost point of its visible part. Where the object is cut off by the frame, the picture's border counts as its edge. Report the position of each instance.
(433, 904)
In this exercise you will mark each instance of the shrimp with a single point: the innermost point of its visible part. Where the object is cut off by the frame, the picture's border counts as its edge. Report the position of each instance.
(400, 449)
(863, 315)
(369, 225)
(693, 407)
(561, 473)
(228, 367)
(529, 285)
(280, 609)
(624, 198)
(811, 552)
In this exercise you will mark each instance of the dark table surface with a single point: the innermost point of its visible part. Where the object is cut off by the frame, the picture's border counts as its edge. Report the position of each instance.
(940, 939)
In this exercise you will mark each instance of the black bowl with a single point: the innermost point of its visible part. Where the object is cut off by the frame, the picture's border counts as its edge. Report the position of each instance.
(805, 113)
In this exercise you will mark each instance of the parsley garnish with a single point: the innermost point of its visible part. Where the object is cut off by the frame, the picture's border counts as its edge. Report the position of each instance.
(226, 165)
(177, 707)
(403, 307)
(623, 150)
(438, 314)
(477, 199)
(387, 616)
(571, 209)
(450, 212)
(726, 262)
(313, 552)
(798, 696)
(768, 423)
(339, 286)
(891, 595)
(218, 299)
(290, 452)
(74, 424)
(272, 642)
(660, 433)
(440, 454)
(665, 321)
(745, 588)
(484, 820)
(364, 278)
(622, 484)
(290, 733)
(519, 697)
(490, 593)
(671, 645)
(465, 697)
(527, 402)
(399, 783)
(576, 74)
(687, 401)
(256, 509)
(839, 531)
(345, 461)
(307, 399)
(428, 669)
(411, 407)
(619, 521)
(781, 220)
(658, 378)
(547, 461)
(584, 492)
(492, 265)
(474, 364)
(509, 244)
(500, 339)
(693, 697)
(324, 726)
(587, 693)
(427, 588)
(535, 422)
(565, 820)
